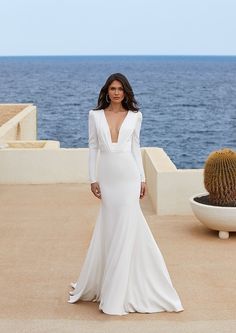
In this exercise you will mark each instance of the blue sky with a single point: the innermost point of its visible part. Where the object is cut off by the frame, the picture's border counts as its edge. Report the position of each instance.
(121, 27)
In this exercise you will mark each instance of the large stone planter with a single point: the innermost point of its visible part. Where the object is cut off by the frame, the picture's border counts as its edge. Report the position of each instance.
(218, 218)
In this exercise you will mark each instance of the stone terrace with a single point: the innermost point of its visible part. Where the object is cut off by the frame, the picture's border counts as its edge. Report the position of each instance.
(45, 231)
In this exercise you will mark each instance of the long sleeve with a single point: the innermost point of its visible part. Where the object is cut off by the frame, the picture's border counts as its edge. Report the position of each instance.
(136, 151)
(93, 147)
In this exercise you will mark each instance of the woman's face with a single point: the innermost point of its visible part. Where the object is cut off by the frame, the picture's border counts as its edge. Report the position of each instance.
(116, 92)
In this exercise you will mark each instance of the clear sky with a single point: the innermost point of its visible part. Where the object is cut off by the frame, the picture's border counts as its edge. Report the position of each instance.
(118, 27)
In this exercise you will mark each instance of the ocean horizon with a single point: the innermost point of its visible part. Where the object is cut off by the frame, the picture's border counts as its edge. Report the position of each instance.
(188, 101)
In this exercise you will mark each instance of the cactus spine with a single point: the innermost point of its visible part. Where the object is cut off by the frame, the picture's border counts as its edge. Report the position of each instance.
(220, 177)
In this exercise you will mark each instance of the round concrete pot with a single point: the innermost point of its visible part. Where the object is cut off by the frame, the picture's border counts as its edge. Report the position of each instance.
(218, 218)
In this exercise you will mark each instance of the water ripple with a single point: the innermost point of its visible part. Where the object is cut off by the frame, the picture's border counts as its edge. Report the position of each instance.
(188, 103)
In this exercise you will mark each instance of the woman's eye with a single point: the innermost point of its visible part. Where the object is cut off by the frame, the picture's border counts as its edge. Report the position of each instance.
(113, 89)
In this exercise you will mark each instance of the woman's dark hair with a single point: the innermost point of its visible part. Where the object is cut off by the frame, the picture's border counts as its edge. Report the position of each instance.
(129, 102)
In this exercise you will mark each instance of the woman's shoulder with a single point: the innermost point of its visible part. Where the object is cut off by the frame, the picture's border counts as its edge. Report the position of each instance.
(137, 114)
(93, 112)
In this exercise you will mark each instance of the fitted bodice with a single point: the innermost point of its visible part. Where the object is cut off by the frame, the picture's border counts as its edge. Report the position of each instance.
(100, 139)
(124, 136)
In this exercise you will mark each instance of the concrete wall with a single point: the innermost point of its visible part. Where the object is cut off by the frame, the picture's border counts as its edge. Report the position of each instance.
(169, 189)
(42, 166)
(23, 126)
(174, 190)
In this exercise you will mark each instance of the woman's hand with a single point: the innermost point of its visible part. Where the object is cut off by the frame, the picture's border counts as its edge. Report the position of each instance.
(143, 190)
(95, 188)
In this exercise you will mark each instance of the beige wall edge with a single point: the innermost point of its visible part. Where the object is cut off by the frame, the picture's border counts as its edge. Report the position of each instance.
(23, 126)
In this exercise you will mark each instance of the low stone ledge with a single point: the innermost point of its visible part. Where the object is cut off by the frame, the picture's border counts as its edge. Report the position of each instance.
(30, 144)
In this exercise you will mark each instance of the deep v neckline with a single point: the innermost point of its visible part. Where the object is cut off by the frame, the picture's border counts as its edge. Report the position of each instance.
(118, 136)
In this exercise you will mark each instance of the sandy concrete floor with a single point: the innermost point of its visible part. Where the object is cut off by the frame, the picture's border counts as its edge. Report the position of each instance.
(9, 111)
(44, 234)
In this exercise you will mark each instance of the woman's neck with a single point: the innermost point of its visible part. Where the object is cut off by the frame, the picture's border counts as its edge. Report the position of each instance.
(114, 107)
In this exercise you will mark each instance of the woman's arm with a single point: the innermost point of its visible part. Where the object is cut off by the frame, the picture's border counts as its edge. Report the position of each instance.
(93, 147)
(136, 151)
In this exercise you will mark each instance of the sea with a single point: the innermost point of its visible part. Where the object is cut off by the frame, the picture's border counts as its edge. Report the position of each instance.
(188, 102)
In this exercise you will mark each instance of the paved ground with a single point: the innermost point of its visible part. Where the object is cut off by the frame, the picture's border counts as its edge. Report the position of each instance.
(44, 234)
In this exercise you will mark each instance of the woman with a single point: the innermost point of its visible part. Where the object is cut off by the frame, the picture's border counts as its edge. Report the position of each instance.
(124, 269)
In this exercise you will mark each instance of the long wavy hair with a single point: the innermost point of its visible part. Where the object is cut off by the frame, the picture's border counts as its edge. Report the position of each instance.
(129, 102)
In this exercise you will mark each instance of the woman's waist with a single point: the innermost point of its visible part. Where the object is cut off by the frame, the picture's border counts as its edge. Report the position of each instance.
(115, 151)
(115, 147)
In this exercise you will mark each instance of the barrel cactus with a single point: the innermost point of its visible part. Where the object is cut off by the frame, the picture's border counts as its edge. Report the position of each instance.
(220, 177)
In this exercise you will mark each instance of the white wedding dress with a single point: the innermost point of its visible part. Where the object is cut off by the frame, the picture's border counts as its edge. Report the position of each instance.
(123, 269)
